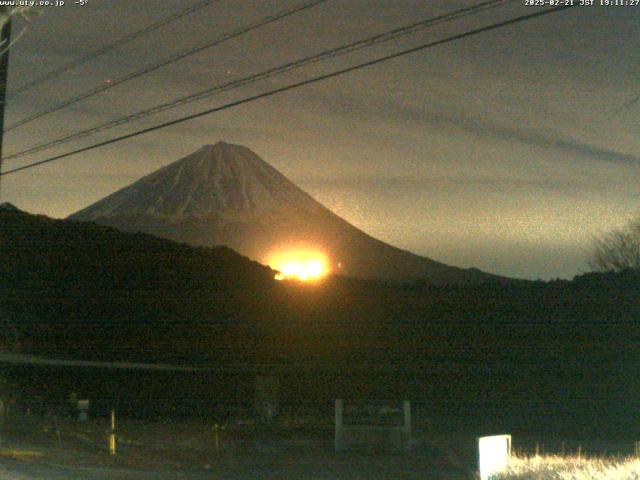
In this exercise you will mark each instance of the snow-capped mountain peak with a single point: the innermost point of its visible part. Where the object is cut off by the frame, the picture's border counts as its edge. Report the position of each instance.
(222, 179)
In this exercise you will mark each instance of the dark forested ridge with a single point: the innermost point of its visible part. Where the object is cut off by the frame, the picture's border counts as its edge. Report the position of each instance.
(73, 287)
(65, 269)
(561, 352)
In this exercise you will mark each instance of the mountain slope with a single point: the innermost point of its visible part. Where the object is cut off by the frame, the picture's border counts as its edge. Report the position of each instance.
(225, 194)
(93, 291)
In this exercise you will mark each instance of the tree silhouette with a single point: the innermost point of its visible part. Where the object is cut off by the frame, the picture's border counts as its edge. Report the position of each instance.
(618, 249)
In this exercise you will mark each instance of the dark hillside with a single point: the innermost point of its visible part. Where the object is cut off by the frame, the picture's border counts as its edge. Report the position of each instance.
(73, 280)
(560, 354)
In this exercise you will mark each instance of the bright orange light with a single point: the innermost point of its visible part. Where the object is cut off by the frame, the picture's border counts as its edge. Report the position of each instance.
(300, 265)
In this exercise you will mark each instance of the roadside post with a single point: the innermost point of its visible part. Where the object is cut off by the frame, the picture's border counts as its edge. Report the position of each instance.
(216, 429)
(112, 434)
(83, 410)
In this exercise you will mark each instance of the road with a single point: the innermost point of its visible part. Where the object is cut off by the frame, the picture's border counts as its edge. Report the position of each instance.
(299, 466)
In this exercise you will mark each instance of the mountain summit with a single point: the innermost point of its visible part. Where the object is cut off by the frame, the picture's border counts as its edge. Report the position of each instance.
(226, 194)
(221, 180)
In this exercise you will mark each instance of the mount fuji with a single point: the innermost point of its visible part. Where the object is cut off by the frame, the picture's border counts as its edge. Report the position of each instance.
(225, 194)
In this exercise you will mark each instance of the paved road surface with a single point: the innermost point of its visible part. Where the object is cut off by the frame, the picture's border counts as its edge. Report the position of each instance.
(294, 467)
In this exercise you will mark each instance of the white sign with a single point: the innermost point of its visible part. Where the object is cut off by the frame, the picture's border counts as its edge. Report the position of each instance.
(494, 454)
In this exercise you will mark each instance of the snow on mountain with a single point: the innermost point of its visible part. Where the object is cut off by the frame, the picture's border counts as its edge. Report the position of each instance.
(225, 194)
(224, 179)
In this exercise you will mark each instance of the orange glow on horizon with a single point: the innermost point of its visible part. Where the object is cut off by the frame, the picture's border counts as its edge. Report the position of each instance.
(305, 266)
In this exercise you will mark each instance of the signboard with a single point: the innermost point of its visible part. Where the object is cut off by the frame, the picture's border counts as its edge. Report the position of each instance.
(374, 414)
(373, 425)
(494, 454)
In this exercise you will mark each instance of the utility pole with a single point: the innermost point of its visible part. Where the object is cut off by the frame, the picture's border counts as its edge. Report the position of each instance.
(5, 42)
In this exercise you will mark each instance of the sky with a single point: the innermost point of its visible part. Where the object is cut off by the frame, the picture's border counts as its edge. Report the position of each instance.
(509, 151)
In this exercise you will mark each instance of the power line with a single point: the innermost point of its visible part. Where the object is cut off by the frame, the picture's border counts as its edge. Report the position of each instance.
(112, 46)
(293, 86)
(172, 59)
(287, 67)
(21, 359)
(26, 360)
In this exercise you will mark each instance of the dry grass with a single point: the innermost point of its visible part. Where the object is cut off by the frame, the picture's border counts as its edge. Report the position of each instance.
(554, 467)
